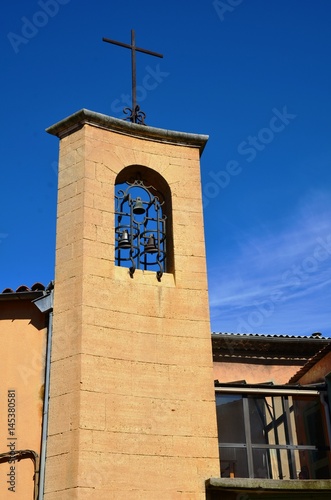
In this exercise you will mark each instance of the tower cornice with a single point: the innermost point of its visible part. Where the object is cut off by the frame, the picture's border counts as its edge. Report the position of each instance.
(84, 116)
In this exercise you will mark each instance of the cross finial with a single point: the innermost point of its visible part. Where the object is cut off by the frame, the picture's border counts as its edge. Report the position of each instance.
(136, 115)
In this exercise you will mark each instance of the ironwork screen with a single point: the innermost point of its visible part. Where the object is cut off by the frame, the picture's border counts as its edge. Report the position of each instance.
(140, 228)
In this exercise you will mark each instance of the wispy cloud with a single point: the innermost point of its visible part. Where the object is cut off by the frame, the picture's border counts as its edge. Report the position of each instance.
(279, 281)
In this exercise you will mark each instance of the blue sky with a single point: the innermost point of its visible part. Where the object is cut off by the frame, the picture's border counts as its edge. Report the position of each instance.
(253, 75)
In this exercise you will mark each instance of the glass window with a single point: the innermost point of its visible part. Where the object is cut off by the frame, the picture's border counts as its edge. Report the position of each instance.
(233, 462)
(308, 420)
(230, 418)
(273, 436)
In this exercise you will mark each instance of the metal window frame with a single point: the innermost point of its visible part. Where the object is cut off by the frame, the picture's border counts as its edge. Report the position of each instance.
(290, 447)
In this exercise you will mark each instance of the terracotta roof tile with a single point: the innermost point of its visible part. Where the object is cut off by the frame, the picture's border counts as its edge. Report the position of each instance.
(316, 335)
(36, 287)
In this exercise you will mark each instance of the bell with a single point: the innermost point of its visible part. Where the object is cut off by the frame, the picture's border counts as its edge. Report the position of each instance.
(138, 208)
(150, 246)
(124, 241)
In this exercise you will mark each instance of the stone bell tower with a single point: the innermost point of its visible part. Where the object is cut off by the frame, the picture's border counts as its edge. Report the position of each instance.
(132, 410)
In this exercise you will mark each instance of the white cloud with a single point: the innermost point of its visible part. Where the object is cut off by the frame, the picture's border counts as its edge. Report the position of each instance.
(278, 278)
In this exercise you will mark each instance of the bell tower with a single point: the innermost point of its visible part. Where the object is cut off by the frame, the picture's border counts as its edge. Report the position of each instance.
(132, 410)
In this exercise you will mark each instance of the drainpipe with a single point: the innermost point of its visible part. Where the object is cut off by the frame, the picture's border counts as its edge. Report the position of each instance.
(327, 405)
(45, 305)
(328, 385)
(17, 455)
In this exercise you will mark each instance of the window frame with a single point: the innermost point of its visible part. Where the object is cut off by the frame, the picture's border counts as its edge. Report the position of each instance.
(290, 447)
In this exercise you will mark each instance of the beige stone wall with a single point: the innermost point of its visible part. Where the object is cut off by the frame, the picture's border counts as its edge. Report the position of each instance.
(132, 411)
(23, 344)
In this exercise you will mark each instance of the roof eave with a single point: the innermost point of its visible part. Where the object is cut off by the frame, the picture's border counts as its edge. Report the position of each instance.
(30, 295)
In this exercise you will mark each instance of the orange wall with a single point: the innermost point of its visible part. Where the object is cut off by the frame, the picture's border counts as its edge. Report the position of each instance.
(317, 372)
(254, 373)
(23, 345)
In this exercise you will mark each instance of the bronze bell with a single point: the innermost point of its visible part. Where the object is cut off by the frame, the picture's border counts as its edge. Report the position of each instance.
(138, 208)
(150, 246)
(124, 241)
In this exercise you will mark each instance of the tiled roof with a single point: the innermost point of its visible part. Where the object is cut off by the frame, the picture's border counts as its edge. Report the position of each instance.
(230, 346)
(316, 335)
(23, 292)
(36, 287)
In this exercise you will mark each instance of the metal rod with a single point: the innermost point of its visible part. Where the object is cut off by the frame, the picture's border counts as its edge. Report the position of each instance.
(269, 391)
(289, 439)
(46, 407)
(247, 425)
(326, 416)
(134, 72)
(138, 49)
(121, 44)
(260, 446)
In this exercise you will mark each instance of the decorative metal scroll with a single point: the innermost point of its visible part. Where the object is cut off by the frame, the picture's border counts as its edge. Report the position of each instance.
(140, 229)
(136, 116)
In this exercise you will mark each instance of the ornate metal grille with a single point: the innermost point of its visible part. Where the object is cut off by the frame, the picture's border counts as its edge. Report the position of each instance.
(140, 228)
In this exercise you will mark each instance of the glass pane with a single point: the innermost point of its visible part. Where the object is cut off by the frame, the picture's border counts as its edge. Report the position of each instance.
(230, 418)
(309, 426)
(258, 419)
(261, 463)
(276, 463)
(291, 464)
(233, 462)
(314, 465)
(267, 420)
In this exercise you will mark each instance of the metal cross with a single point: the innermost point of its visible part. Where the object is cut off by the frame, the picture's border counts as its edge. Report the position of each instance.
(136, 115)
